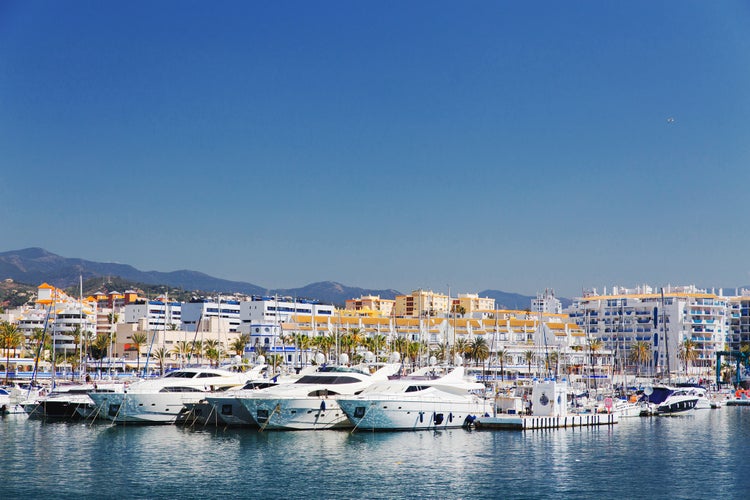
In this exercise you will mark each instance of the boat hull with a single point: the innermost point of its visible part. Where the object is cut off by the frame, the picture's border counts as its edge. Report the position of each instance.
(395, 414)
(677, 406)
(309, 413)
(151, 408)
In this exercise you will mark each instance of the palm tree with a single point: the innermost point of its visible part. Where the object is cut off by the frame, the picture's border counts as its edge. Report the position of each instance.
(357, 336)
(502, 357)
(161, 356)
(640, 353)
(302, 342)
(181, 349)
(461, 347)
(529, 357)
(413, 349)
(197, 348)
(401, 345)
(10, 338)
(554, 360)
(238, 344)
(212, 350)
(275, 360)
(480, 351)
(688, 353)
(138, 340)
(347, 343)
(594, 346)
(99, 348)
(41, 343)
(375, 344)
(440, 351)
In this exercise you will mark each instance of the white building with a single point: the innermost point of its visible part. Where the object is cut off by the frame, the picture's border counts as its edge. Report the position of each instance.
(228, 311)
(161, 315)
(546, 303)
(663, 320)
(262, 317)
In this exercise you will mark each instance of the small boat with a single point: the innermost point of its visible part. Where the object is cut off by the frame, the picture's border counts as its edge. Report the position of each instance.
(680, 402)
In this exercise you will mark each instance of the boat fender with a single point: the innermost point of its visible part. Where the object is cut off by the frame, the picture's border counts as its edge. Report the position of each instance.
(322, 406)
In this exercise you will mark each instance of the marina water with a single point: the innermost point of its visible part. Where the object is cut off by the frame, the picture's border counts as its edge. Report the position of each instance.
(697, 456)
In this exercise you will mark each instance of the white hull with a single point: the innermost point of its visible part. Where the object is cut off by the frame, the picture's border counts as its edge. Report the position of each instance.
(409, 414)
(228, 411)
(309, 413)
(152, 408)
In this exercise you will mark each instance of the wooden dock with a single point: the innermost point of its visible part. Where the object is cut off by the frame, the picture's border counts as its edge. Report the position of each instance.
(518, 422)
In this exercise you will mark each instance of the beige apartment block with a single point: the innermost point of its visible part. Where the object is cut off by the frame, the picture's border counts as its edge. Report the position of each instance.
(371, 305)
(421, 303)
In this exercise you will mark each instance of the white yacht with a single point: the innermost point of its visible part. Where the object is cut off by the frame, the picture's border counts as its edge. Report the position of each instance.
(160, 401)
(65, 402)
(226, 409)
(309, 403)
(683, 400)
(418, 402)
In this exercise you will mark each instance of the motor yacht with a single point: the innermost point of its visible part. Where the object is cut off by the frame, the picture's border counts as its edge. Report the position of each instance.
(161, 400)
(310, 402)
(420, 401)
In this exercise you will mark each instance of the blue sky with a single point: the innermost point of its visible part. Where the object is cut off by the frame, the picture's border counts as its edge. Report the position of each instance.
(477, 145)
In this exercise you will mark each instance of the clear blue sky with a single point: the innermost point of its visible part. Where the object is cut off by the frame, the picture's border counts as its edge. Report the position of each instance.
(482, 145)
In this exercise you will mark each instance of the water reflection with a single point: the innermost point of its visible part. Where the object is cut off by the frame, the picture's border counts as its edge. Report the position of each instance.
(684, 457)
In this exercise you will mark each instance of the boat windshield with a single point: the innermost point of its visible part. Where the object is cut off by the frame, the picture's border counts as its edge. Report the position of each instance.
(320, 379)
(181, 374)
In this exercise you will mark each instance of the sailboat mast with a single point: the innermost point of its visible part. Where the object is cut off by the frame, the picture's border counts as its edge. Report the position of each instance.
(666, 339)
(81, 332)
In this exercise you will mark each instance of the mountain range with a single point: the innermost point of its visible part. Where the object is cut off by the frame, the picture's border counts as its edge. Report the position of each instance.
(36, 265)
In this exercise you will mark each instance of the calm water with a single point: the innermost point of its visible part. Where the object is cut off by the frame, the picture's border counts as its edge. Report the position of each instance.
(700, 456)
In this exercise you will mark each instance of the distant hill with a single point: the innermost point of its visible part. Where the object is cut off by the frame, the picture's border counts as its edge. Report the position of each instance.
(36, 266)
(335, 293)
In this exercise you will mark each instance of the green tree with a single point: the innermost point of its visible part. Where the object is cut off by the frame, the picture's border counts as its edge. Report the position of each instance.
(197, 349)
(479, 349)
(640, 354)
(688, 353)
(161, 355)
(100, 347)
(554, 361)
(10, 338)
(462, 348)
(503, 356)
(212, 350)
(138, 340)
(595, 345)
(238, 344)
(181, 349)
(440, 352)
(529, 357)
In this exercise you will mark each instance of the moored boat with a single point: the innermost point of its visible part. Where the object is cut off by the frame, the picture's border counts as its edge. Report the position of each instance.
(418, 403)
(161, 400)
(310, 402)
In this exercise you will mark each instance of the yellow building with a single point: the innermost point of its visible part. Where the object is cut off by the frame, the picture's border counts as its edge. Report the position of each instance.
(421, 303)
(469, 303)
(371, 305)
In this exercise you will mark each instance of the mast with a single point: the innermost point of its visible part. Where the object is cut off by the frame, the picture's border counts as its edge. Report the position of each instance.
(54, 342)
(80, 324)
(666, 339)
